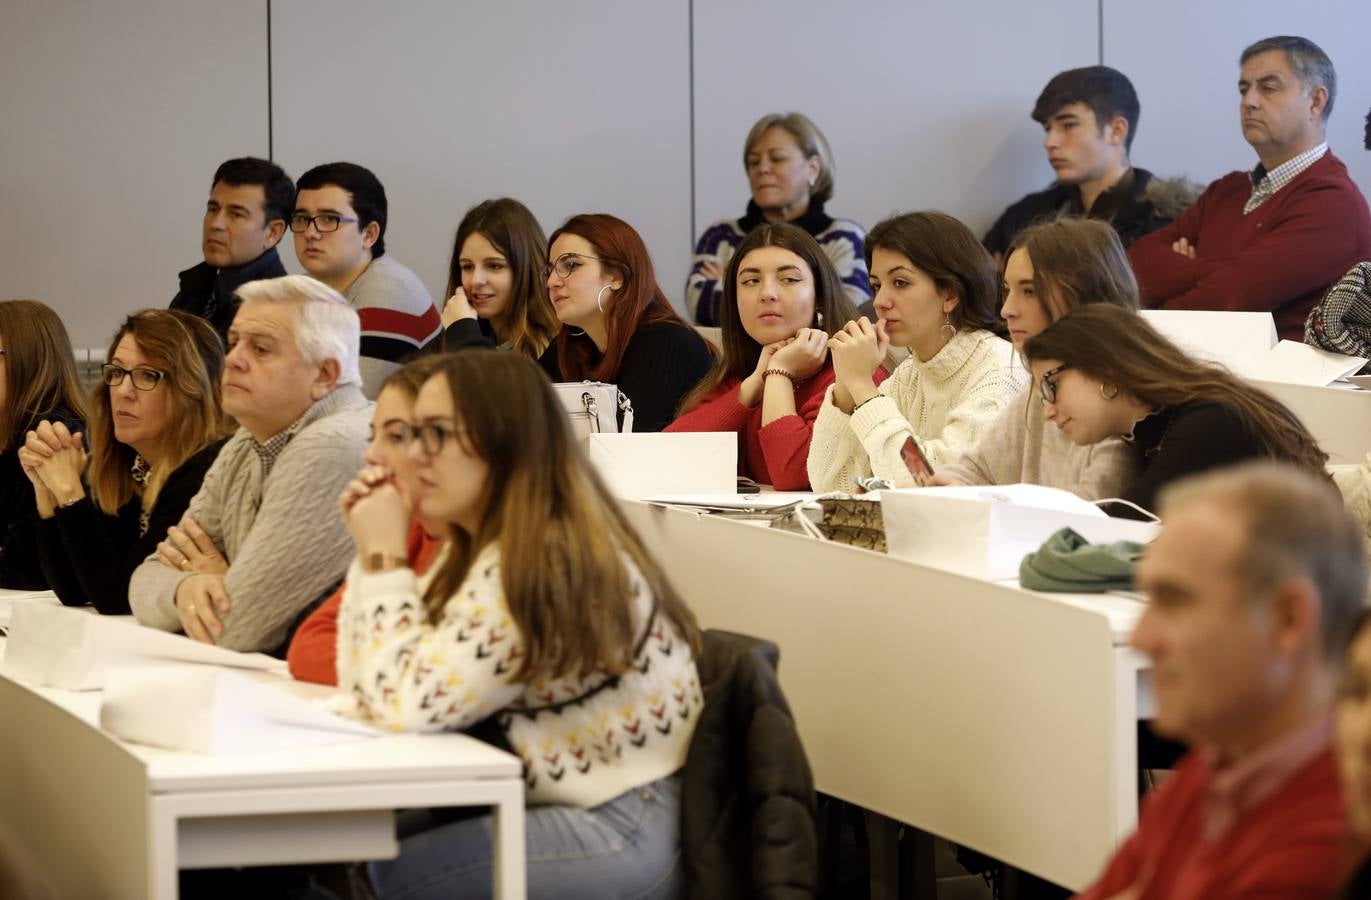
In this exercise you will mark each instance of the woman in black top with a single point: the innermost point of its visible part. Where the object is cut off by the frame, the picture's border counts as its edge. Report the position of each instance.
(621, 328)
(497, 295)
(38, 380)
(1104, 372)
(155, 428)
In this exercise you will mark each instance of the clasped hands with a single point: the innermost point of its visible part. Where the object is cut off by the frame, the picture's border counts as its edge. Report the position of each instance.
(801, 356)
(377, 512)
(857, 351)
(54, 460)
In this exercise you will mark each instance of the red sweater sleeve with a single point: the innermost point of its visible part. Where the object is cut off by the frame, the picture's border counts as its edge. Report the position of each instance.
(785, 442)
(720, 411)
(1297, 253)
(314, 648)
(313, 651)
(1162, 272)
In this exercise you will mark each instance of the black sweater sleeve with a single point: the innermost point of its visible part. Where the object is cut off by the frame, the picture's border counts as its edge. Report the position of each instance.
(104, 550)
(662, 362)
(19, 564)
(1202, 436)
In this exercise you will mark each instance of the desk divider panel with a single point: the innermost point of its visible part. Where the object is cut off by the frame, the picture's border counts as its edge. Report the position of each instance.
(979, 712)
(69, 791)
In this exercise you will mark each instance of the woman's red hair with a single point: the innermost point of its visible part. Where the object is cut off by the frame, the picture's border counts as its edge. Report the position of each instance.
(639, 302)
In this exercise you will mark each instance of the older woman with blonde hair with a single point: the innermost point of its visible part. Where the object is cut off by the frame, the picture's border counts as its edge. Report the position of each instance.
(791, 173)
(106, 498)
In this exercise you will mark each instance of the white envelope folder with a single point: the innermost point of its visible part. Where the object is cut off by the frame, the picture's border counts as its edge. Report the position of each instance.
(70, 648)
(985, 532)
(209, 709)
(645, 464)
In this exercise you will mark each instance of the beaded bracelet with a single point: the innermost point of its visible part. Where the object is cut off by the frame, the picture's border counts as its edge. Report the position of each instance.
(781, 372)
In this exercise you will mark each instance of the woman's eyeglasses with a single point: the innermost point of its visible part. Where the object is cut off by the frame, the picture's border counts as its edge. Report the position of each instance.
(565, 264)
(1047, 386)
(144, 379)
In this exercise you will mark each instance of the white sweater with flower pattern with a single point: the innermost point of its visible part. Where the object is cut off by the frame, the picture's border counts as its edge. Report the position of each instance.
(583, 741)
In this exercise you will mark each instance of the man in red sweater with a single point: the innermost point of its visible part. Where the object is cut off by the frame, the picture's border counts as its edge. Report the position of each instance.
(1253, 585)
(1274, 238)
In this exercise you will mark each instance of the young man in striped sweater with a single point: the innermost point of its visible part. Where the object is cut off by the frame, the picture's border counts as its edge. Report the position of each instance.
(340, 238)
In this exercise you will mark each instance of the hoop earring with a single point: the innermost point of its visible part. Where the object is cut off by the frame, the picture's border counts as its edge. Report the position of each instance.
(948, 331)
(1109, 396)
(599, 301)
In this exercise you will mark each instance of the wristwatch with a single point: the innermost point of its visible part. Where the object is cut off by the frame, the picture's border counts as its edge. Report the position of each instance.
(373, 563)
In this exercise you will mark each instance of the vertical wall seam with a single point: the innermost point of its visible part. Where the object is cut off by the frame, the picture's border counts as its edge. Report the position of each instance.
(690, 71)
(271, 145)
(1100, 19)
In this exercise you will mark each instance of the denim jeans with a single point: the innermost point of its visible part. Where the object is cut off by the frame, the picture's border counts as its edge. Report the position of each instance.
(628, 847)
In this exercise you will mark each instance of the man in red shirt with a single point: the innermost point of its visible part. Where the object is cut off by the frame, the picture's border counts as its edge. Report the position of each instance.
(1273, 239)
(1253, 585)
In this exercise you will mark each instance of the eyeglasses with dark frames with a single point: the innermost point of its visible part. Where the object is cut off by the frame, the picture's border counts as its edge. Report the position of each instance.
(323, 223)
(431, 436)
(1047, 386)
(144, 379)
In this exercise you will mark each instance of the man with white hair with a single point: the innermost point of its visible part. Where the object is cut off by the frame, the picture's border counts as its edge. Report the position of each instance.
(262, 539)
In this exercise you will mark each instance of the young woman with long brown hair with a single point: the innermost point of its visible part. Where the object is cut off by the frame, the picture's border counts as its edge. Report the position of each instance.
(545, 612)
(1052, 268)
(496, 289)
(38, 381)
(622, 329)
(936, 294)
(106, 498)
(1103, 372)
(782, 301)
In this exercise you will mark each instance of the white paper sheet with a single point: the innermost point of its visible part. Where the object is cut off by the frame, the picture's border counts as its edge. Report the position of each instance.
(643, 464)
(70, 648)
(1293, 362)
(210, 709)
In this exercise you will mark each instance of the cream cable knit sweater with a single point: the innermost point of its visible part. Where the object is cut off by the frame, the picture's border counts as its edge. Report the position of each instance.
(946, 403)
(282, 535)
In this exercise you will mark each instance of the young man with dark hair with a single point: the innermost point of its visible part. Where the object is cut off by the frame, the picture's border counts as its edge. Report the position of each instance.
(1089, 117)
(1272, 239)
(339, 224)
(249, 203)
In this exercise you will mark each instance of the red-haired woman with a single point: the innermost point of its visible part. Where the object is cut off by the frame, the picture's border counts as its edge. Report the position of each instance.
(622, 329)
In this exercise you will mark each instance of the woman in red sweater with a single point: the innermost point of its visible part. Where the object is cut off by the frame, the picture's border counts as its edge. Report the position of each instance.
(314, 647)
(782, 300)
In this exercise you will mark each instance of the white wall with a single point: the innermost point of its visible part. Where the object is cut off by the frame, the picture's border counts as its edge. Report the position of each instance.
(1182, 57)
(569, 109)
(116, 115)
(114, 118)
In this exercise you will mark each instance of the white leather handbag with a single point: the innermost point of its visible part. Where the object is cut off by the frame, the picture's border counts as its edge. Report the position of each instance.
(593, 407)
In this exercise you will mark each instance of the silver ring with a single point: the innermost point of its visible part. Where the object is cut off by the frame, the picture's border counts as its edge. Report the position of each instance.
(185, 562)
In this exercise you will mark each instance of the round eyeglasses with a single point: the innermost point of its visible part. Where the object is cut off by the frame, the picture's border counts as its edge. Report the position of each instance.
(567, 263)
(144, 379)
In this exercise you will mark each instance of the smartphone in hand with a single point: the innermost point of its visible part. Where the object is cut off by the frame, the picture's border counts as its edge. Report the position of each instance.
(916, 462)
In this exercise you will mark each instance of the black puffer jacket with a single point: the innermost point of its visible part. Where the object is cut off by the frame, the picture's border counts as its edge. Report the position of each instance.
(748, 796)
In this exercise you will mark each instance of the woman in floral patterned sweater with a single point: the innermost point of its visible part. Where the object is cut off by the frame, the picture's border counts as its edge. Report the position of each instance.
(546, 613)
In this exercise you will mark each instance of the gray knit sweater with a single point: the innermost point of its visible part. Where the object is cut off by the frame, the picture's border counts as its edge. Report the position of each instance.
(282, 535)
(1022, 447)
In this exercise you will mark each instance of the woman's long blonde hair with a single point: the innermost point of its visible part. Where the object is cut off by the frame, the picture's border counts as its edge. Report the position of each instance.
(562, 538)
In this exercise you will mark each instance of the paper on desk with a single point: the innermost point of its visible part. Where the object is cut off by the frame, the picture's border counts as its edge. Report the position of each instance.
(641, 464)
(732, 502)
(985, 532)
(71, 648)
(209, 709)
(1293, 362)
(9, 598)
(1229, 338)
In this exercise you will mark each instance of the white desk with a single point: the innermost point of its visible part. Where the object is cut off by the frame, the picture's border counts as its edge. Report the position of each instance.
(111, 819)
(995, 717)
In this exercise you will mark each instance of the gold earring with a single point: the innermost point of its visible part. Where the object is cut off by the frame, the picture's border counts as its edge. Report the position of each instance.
(1109, 396)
